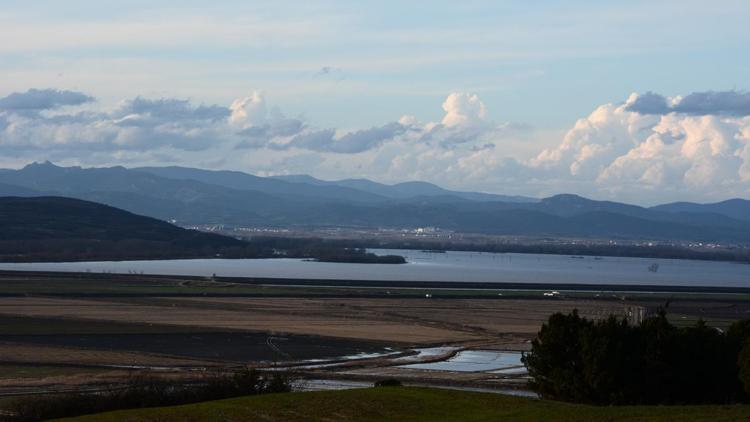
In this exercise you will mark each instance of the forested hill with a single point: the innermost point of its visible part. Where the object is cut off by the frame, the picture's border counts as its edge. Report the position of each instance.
(63, 228)
(50, 228)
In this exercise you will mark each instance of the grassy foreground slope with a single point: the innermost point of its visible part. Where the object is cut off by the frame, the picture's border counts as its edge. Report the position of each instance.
(412, 404)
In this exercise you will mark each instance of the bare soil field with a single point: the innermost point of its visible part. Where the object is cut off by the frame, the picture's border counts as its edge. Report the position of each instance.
(464, 319)
(175, 312)
(97, 329)
(44, 354)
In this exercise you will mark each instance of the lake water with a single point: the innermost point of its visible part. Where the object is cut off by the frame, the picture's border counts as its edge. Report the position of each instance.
(449, 266)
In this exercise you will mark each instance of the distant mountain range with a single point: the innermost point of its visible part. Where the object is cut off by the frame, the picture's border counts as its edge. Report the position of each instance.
(405, 190)
(194, 196)
(734, 208)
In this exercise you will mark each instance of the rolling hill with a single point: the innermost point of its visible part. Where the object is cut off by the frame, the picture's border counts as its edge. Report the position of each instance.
(65, 228)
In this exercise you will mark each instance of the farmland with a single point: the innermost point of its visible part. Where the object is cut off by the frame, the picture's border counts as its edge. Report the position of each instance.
(92, 330)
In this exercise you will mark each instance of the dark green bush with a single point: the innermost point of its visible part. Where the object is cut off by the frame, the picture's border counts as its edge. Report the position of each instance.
(743, 361)
(147, 391)
(388, 382)
(612, 362)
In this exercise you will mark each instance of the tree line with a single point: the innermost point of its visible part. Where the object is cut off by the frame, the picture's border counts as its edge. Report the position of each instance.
(613, 362)
(86, 249)
(146, 390)
(657, 251)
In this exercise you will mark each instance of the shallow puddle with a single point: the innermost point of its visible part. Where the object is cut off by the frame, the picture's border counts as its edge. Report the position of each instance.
(474, 361)
(426, 353)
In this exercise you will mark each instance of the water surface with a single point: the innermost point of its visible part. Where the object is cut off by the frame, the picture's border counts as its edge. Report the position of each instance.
(473, 361)
(449, 266)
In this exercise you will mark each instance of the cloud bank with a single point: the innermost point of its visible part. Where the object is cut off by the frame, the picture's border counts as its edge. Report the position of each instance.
(649, 148)
(730, 103)
(42, 99)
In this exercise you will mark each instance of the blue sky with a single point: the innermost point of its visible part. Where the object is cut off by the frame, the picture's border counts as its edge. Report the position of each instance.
(349, 66)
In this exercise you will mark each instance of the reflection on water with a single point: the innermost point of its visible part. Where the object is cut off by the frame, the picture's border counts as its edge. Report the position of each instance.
(503, 363)
(328, 385)
(450, 266)
(474, 361)
(427, 354)
(512, 371)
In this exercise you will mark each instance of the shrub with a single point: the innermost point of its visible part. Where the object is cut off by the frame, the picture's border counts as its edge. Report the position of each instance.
(743, 361)
(388, 382)
(612, 362)
(147, 391)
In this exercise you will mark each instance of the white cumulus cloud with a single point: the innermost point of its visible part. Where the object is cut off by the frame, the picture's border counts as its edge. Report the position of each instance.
(647, 149)
(463, 109)
(622, 149)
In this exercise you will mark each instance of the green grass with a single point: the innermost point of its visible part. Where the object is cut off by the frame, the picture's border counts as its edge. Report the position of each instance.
(413, 404)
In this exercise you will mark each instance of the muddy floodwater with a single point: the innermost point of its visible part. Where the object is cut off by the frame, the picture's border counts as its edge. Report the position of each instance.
(449, 266)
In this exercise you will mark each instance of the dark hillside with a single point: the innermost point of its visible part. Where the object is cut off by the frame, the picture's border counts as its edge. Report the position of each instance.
(65, 228)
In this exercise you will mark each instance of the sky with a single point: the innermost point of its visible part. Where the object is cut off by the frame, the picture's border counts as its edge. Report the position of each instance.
(638, 101)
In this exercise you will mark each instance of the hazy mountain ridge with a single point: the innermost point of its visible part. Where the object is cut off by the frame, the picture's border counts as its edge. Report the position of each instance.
(405, 189)
(193, 196)
(243, 181)
(735, 208)
(12, 190)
